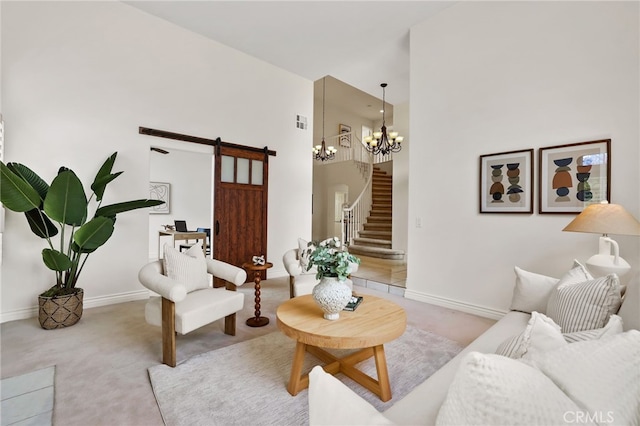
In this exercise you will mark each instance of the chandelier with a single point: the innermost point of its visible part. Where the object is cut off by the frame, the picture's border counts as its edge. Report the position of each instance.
(321, 152)
(381, 142)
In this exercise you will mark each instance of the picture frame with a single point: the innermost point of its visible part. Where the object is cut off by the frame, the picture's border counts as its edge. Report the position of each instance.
(160, 191)
(506, 182)
(345, 140)
(572, 176)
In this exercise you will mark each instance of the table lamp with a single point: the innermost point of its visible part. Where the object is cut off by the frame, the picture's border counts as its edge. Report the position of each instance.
(605, 219)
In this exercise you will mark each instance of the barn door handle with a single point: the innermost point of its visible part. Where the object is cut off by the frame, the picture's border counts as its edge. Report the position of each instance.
(217, 227)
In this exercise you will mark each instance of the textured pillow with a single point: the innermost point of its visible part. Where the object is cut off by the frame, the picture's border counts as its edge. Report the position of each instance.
(614, 326)
(331, 402)
(584, 305)
(603, 376)
(188, 268)
(303, 247)
(531, 291)
(495, 390)
(541, 334)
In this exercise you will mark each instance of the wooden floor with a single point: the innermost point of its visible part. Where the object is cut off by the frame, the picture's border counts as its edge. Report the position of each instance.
(381, 275)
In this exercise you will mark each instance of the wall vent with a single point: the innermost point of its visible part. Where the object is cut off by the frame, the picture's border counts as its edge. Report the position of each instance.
(301, 122)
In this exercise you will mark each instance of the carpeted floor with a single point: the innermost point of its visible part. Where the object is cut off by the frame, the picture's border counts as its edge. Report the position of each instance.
(101, 362)
(246, 383)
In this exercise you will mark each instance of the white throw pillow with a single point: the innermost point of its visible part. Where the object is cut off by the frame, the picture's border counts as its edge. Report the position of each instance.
(495, 390)
(304, 250)
(540, 335)
(188, 268)
(602, 376)
(531, 291)
(614, 326)
(331, 402)
(577, 274)
(578, 306)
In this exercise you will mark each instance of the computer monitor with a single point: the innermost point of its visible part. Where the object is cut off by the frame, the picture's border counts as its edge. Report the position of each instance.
(181, 225)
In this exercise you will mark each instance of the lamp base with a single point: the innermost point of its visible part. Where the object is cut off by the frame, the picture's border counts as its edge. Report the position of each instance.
(604, 264)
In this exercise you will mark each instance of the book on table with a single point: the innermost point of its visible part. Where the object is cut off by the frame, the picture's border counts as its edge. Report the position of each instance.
(353, 303)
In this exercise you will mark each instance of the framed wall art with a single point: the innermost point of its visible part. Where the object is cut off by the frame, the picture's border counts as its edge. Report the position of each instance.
(345, 140)
(160, 191)
(506, 182)
(573, 176)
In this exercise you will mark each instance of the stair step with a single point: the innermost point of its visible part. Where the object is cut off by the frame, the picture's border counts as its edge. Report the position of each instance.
(377, 226)
(382, 235)
(377, 252)
(379, 219)
(372, 242)
(380, 212)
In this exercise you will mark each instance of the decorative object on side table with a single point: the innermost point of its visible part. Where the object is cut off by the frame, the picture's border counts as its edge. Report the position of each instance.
(605, 219)
(64, 202)
(258, 260)
(333, 263)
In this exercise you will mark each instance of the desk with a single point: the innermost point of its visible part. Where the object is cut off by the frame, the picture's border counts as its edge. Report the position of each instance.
(183, 236)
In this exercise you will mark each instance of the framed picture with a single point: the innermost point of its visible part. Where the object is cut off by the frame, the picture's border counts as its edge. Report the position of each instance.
(160, 191)
(506, 182)
(574, 176)
(345, 140)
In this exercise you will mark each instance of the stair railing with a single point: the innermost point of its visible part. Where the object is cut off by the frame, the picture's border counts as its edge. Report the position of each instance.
(355, 214)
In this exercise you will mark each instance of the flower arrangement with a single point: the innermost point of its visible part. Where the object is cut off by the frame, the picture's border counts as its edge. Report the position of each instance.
(331, 258)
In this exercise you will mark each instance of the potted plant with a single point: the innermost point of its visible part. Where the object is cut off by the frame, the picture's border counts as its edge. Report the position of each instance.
(334, 264)
(65, 203)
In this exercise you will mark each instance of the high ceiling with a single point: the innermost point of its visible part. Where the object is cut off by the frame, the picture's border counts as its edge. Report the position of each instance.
(361, 43)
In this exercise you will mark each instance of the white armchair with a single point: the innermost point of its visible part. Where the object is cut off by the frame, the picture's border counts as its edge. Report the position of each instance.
(301, 281)
(180, 311)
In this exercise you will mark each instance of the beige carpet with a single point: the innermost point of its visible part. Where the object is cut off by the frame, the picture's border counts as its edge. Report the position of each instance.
(244, 384)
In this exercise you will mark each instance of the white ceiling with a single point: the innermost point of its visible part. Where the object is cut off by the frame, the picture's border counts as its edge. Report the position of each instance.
(362, 43)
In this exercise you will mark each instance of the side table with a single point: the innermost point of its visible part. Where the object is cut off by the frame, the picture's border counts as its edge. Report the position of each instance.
(257, 321)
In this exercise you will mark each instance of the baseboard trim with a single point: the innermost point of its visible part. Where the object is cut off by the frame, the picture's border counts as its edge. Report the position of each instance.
(88, 303)
(445, 302)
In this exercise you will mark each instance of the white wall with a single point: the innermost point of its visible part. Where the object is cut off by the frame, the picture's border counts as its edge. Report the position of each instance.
(401, 181)
(490, 77)
(78, 78)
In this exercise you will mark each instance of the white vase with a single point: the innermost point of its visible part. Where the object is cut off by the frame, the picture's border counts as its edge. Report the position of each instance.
(332, 296)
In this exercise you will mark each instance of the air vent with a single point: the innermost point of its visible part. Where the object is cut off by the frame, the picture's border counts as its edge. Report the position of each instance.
(301, 122)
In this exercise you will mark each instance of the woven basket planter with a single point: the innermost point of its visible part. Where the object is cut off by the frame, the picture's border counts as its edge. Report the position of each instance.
(60, 311)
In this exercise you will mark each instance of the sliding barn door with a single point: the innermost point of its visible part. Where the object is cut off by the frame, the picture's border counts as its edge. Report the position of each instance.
(240, 205)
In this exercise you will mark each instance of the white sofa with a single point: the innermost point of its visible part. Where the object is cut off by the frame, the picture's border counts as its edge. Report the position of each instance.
(423, 404)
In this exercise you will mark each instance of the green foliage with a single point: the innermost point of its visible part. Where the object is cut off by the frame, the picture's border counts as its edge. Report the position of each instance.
(331, 258)
(65, 203)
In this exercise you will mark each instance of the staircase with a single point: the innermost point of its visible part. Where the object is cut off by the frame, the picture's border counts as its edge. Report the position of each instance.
(375, 239)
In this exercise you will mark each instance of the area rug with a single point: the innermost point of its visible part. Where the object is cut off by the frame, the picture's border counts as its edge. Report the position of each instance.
(28, 399)
(245, 384)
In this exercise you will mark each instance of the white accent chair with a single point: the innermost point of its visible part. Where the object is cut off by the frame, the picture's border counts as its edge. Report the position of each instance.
(301, 281)
(177, 311)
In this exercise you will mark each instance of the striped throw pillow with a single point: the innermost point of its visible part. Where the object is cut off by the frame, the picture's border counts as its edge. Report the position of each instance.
(584, 305)
(614, 326)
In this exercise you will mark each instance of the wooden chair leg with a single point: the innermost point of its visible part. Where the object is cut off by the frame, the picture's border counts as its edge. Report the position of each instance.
(168, 332)
(230, 324)
(292, 280)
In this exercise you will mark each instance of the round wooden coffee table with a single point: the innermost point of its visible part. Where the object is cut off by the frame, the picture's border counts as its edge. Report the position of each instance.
(375, 322)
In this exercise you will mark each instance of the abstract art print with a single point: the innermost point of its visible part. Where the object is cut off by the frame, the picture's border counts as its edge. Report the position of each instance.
(573, 176)
(160, 191)
(506, 182)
